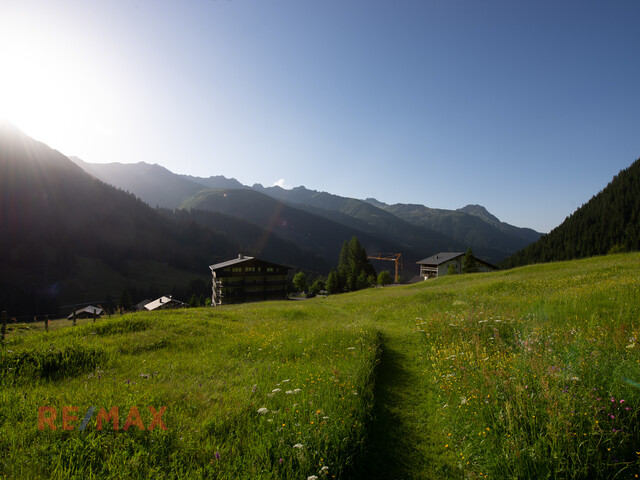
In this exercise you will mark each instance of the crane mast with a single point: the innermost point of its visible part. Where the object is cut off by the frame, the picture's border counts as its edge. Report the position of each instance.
(392, 257)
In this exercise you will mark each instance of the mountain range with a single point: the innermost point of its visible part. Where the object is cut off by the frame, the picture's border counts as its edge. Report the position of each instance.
(73, 232)
(319, 221)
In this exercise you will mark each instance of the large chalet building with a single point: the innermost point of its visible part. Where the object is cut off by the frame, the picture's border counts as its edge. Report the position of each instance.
(248, 279)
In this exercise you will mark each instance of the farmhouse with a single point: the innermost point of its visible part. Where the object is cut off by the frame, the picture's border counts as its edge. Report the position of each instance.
(438, 265)
(164, 303)
(248, 279)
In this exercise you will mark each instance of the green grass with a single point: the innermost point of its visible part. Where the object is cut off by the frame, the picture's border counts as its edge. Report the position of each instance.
(526, 373)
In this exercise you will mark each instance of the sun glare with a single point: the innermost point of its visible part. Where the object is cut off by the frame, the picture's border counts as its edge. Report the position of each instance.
(48, 88)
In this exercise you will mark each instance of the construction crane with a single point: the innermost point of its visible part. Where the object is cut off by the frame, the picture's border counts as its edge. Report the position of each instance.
(393, 257)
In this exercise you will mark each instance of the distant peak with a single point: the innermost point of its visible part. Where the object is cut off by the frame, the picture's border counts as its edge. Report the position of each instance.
(481, 212)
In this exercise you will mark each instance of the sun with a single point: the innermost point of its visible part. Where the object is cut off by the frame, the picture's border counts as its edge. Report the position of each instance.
(49, 87)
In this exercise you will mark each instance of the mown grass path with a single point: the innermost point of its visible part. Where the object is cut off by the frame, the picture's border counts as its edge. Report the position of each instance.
(402, 436)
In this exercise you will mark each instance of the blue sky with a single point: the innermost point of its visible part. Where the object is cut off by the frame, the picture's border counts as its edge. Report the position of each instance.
(528, 108)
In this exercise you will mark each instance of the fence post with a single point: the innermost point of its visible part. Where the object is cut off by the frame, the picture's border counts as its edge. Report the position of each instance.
(74, 318)
(94, 316)
(4, 324)
(46, 323)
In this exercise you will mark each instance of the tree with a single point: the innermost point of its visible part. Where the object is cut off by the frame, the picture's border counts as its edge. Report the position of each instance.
(384, 278)
(333, 284)
(300, 282)
(354, 267)
(469, 264)
(317, 286)
(125, 301)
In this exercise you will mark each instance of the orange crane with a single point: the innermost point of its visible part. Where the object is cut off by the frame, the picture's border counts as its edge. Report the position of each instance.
(393, 257)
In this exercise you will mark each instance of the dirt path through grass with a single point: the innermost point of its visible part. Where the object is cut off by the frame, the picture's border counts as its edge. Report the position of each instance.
(402, 441)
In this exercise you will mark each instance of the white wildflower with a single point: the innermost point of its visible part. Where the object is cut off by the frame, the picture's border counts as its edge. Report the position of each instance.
(263, 411)
(324, 470)
(276, 390)
(298, 445)
(312, 477)
(289, 392)
(296, 390)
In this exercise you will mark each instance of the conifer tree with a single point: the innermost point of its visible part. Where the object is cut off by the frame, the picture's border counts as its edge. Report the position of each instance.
(469, 264)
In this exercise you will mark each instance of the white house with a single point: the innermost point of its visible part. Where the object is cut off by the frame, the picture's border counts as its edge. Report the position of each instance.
(164, 303)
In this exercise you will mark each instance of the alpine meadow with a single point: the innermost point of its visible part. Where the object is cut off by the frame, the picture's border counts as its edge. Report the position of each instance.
(319, 240)
(527, 373)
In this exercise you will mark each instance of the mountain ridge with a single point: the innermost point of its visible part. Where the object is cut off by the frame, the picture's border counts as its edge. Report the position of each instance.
(445, 229)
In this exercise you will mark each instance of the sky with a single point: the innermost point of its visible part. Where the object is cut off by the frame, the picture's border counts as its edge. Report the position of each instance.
(528, 108)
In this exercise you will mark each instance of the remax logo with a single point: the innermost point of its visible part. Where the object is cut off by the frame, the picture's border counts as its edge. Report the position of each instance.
(47, 416)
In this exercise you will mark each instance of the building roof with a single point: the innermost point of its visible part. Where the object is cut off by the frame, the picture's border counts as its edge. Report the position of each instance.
(228, 263)
(161, 302)
(242, 259)
(91, 310)
(140, 305)
(440, 258)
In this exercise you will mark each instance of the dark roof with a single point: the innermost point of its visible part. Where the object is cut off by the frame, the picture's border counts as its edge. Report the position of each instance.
(242, 259)
(140, 305)
(440, 258)
(443, 257)
(228, 263)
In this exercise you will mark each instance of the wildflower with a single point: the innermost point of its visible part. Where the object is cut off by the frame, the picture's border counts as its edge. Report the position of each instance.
(296, 390)
(324, 470)
(276, 390)
(281, 460)
(312, 477)
(298, 445)
(289, 392)
(217, 455)
(263, 411)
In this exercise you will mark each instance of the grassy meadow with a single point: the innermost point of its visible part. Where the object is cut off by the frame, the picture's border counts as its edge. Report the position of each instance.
(527, 373)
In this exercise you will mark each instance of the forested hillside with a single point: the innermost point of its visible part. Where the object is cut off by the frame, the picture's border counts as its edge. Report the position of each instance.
(68, 238)
(610, 221)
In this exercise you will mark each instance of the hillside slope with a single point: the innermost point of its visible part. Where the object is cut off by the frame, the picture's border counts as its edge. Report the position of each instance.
(610, 220)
